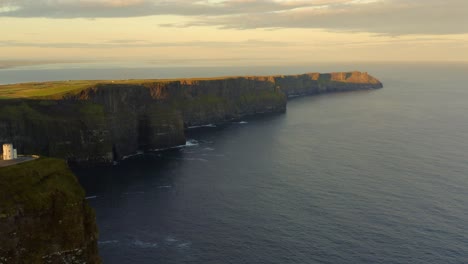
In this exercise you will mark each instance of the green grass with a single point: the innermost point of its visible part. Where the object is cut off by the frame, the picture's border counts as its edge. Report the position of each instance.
(53, 90)
(28, 90)
(56, 89)
(29, 185)
(42, 211)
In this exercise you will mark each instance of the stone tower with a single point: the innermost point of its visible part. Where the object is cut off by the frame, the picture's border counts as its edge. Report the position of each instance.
(8, 153)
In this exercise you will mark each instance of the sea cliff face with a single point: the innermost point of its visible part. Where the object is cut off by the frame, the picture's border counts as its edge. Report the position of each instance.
(316, 83)
(108, 121)
(44, 217)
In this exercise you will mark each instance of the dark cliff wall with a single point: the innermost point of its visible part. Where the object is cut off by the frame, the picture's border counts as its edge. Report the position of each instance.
(216, 101)
(134, 119)
(44, 217)
(196, 101)
(109, 121)
(75, 131)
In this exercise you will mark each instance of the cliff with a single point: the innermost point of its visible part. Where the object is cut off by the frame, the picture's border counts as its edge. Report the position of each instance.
(104, 121)
(316, 83)
(44, 217)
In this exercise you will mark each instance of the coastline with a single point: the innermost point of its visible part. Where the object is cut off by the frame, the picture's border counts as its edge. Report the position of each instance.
(90, 123)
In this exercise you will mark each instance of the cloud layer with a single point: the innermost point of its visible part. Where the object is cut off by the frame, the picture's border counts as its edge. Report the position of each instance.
(393, 17)
(127, 43)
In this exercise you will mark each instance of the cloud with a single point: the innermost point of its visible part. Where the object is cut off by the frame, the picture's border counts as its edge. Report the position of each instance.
(394, 17)
(134, 8)
(132, 43)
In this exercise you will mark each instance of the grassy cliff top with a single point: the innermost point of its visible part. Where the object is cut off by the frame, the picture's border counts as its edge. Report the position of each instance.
(44, 89)
(56, 89)
(29, 185)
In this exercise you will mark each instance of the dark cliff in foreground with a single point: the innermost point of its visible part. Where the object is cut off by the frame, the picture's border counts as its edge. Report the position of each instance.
(107, 121)
(44, 217)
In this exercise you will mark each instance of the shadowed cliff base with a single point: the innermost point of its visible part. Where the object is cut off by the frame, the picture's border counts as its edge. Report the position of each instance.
(92, 122)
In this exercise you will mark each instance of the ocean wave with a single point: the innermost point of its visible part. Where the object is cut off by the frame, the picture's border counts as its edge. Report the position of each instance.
(163, 149)
(188, 143)
(107, 242)
(184, 245)
(91, 197)
(141, 244)
(170, 240)
(191, 142)
(138, 153)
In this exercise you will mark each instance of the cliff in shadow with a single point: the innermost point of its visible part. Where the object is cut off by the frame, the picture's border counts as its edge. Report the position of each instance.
(107, 121)
(44, 217)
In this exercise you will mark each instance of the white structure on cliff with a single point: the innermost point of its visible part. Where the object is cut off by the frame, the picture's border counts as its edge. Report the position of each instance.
(9, 153)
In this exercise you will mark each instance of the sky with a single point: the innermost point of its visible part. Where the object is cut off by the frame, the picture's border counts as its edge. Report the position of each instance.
(234, 32)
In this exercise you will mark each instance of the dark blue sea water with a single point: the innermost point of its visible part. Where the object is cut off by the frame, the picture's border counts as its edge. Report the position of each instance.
(361, 177)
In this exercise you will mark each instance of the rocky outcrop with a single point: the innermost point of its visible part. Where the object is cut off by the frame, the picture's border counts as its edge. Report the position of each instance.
(109, 121)
(44, 217)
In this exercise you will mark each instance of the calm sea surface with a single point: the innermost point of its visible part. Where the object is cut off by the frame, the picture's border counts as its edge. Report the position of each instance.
(361, 177)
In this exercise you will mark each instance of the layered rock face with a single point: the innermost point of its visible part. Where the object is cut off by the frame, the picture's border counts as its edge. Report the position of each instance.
(44, 217)
(109, 121)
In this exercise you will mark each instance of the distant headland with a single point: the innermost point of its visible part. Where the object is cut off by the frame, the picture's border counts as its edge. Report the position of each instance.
(91, 122)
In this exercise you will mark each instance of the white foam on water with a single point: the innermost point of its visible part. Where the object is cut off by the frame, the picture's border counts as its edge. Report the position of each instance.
(243, 122)
(91, 197)
(209, 149)
(138, 153)
(106, 242)
(165, 187)
(142, 244)
(191, 142)
(184, 245)
(170, 240)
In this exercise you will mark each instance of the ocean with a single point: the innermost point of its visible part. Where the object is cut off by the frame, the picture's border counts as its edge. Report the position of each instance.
(359, 177)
